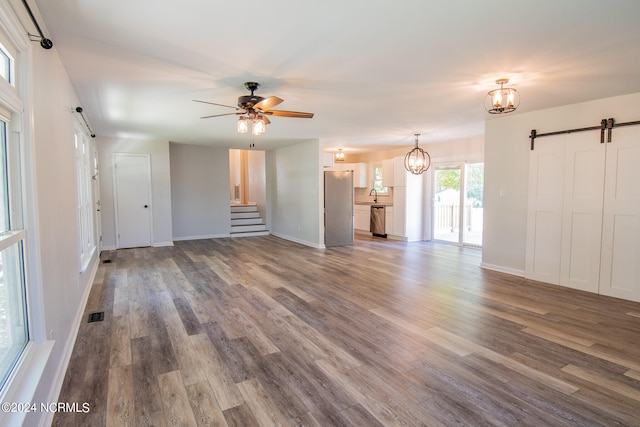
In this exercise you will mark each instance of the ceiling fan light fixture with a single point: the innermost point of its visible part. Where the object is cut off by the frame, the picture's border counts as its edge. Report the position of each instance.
(259, 126)
(502, 100)
(417, 160)
(243, 125)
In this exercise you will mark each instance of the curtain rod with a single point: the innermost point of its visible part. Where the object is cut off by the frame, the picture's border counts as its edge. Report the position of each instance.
(606, 125)
(44, 42)
(80, 110)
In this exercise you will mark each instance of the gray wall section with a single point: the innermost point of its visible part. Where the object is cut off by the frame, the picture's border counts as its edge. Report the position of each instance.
(199, 191)
(294, 192)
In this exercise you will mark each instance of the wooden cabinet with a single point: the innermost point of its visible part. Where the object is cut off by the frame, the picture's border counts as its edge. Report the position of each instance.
(387, 173)
(362, 217)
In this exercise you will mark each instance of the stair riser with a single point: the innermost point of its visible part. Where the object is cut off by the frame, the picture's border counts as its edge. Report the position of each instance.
(244, 209)
(242, 228)
(246, 221)
(236, 215)
(250, 234)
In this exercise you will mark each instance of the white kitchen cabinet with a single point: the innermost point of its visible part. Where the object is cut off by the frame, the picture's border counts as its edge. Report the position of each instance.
(387, 173)
(399, 172)
(409, 207)
(388, 220)
(359, 172)
(327, 160)
(362, 217)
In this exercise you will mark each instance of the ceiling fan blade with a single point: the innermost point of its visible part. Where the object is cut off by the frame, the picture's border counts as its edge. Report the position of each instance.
(213, 103)
(283, 113)
(266, 120)
(268, 103)
(237, 113)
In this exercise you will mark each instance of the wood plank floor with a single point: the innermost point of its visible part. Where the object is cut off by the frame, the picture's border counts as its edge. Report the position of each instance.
(262, 331)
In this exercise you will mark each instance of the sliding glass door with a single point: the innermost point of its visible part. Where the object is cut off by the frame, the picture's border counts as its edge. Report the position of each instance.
(458, 203)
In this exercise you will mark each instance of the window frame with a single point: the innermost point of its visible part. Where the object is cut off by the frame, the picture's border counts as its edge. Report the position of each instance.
(18, 100)
(377, 183)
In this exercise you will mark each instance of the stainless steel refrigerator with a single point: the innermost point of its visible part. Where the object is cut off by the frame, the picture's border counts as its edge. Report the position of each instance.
(338, 208)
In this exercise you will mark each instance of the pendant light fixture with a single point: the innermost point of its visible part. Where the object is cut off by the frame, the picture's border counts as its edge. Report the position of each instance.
(243, 125)
(417, 160)
(259, 125)
(339, 155)
(503, 100)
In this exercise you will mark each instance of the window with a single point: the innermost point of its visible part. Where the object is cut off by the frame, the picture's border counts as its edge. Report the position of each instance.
(14, 331)
(17, 300)
(377, 180)
(5, 65)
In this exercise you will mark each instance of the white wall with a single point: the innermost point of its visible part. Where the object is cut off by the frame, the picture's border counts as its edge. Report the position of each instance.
(256, 187)
(160, 186)
(235, 177)
(199, 191)
(294, 193)
(507, 146)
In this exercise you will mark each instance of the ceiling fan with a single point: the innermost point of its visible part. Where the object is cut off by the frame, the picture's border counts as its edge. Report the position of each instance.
(254, 109)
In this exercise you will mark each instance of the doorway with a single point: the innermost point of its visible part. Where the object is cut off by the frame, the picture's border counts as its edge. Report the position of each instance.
(132, 194)
(458, 203)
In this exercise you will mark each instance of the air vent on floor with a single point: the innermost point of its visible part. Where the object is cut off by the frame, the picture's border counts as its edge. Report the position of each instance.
(96, 317)
(106, 261)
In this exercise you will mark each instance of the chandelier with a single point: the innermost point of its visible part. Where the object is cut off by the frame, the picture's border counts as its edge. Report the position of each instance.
(417, 160)
(340, 155)
(503, 100)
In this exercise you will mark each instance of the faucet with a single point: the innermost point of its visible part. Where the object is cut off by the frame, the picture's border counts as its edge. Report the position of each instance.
(375, 199)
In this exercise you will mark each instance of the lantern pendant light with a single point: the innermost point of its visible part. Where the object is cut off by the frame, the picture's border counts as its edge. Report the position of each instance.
(503, 100)
(417, 160)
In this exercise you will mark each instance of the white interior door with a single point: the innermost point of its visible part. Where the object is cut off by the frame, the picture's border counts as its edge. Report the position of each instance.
(620, 275)
(544, 217)
(132, 192)
(582, 211)
(97, 201)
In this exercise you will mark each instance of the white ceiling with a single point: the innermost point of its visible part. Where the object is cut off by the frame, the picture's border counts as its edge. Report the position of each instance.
(374, 72)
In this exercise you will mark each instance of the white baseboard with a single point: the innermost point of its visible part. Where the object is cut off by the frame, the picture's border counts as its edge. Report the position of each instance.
(162, 244)
(209, 236)
(56, 386)
(502, 269)
(295, 239)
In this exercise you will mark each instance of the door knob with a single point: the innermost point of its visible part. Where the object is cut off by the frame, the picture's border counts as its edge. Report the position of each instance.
(146, 206)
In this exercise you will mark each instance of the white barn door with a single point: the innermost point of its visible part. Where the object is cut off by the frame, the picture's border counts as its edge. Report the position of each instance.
(566, 180)
(544, 217)
(620, 276)
(582, 211)
(132, 193)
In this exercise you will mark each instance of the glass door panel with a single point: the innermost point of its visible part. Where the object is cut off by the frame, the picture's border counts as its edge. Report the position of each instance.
(446, 205)
(473, 204)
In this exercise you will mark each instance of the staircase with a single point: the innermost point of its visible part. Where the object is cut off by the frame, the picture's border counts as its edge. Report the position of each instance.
(246, 221)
